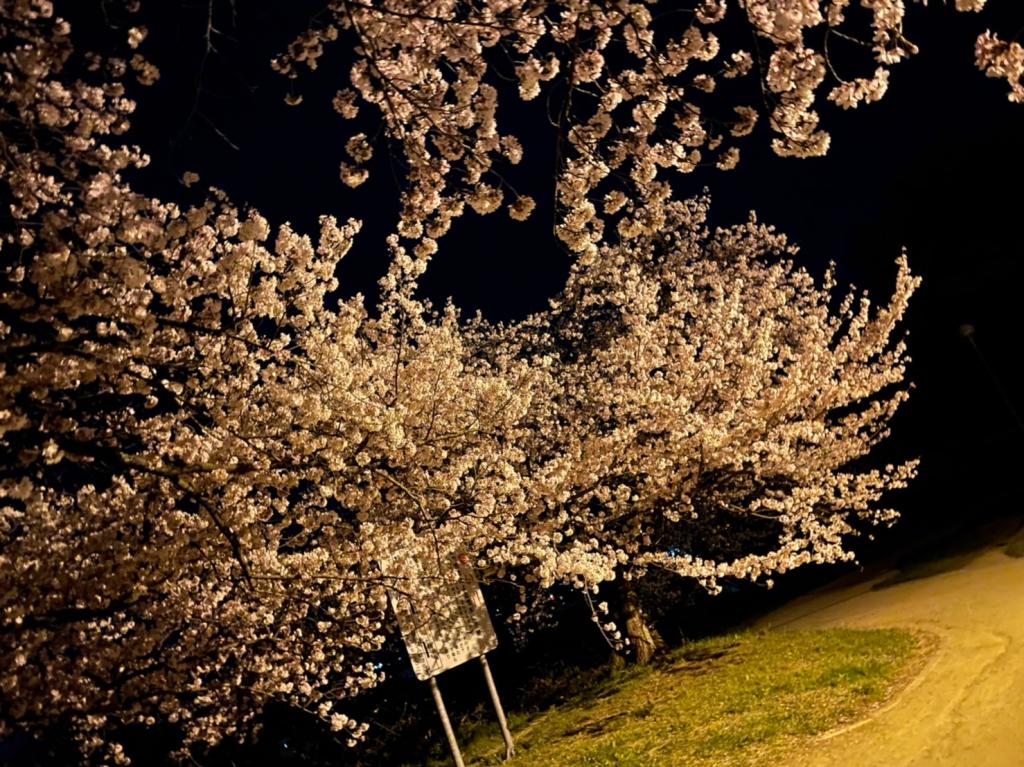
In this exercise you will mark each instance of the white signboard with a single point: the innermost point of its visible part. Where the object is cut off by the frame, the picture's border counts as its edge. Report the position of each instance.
(440, 610)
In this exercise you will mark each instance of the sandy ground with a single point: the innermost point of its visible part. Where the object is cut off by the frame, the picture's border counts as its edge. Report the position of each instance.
(966, 707)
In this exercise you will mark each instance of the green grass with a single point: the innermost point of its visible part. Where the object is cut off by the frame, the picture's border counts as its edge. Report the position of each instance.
(735, 700)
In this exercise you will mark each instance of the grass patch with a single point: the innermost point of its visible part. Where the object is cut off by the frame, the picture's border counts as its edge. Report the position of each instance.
(736, 700)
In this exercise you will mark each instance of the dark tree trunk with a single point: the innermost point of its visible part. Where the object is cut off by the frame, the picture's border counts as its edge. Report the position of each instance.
(642, 637)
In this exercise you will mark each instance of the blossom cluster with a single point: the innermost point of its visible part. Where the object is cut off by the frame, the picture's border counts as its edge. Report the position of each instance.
(160, 414)
(706, 413)
(633, 92)
(999, 58)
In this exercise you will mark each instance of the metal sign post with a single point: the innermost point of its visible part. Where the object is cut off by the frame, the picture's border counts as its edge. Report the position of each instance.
(446, 723)
(444, 623)
(510, 748)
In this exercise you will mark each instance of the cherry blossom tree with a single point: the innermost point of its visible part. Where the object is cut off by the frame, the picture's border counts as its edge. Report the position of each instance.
(158, 412)
(711, 415)
(203, 450)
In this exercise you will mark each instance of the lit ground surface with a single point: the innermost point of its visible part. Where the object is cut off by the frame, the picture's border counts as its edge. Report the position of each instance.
(966, 708)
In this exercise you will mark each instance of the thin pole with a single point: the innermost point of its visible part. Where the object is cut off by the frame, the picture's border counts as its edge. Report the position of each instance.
(446, 723)
(510, 749)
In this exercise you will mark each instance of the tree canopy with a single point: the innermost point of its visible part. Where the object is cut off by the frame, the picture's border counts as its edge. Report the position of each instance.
(208, 446)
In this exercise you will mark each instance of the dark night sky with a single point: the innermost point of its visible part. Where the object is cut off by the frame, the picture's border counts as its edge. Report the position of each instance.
(934, 167)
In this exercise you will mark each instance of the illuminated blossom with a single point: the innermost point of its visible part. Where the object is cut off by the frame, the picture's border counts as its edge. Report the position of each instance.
(633, 85)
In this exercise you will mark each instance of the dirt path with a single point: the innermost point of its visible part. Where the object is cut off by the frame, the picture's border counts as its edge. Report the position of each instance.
(966, 708)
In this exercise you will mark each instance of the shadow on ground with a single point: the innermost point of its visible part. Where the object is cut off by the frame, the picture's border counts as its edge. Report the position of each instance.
(955, 550)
